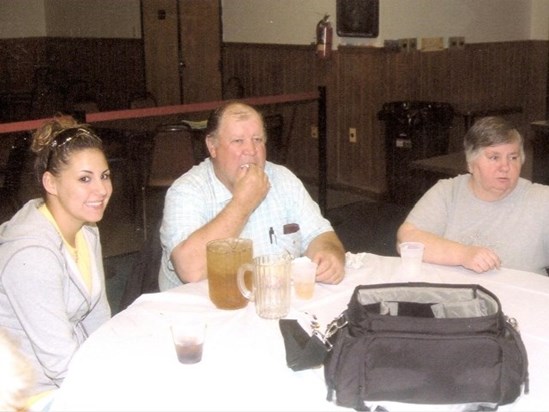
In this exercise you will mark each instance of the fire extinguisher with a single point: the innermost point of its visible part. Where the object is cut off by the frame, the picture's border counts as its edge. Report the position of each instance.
(324, 38)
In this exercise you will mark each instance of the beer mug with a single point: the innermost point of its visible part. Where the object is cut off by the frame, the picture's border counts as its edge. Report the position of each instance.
(224, 257)
(271, 280)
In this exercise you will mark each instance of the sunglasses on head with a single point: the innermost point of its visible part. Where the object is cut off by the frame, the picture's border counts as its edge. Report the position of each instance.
(64, 137)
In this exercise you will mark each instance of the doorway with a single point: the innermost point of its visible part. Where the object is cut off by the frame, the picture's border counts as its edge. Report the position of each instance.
(182, 45)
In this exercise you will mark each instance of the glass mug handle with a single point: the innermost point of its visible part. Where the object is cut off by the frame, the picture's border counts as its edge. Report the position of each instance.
(248, 294)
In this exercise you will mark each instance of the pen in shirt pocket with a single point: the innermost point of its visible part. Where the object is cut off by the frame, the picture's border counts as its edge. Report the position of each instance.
(287, 229)
(272, 235)
(291, 239)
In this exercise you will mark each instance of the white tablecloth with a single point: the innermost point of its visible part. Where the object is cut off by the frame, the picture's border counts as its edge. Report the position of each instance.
(130, 364)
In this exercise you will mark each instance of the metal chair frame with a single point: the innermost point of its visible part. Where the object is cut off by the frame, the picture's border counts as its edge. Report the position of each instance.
(172, 155)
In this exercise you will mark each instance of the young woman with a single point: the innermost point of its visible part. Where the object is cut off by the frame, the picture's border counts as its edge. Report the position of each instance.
(52, 284)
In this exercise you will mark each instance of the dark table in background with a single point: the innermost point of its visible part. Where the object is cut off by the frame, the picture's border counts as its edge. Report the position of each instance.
(448, 165)
(129, 146)
(454, 163)
(471, 113)
(431, 169)
(138, 133)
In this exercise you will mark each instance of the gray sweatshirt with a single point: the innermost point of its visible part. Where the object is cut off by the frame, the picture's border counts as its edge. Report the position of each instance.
(44, 303)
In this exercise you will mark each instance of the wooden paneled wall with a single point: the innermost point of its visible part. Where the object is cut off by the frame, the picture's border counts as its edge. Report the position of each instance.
(18, 58)
(113, 69)
(274, 69)
(360, 79)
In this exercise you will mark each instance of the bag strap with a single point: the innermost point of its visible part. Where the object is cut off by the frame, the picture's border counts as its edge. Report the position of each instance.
(302, 351)
(331, 329)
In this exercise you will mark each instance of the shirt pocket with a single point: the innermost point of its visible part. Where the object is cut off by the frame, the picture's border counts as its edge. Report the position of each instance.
(291, 242)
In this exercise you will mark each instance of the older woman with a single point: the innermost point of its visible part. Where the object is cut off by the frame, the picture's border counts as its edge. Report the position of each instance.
(490, 217)
(52, 284)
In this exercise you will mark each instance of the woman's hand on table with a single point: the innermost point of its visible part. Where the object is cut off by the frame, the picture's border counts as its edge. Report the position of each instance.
(480, 259)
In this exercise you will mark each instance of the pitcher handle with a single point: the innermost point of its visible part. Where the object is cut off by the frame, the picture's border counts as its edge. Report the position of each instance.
(248, 294)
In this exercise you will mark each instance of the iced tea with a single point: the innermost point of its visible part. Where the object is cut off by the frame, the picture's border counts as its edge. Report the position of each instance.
(224, 257)
(304, 277)
(304, 290)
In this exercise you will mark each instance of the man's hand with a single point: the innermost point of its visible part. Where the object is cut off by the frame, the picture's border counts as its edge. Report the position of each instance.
(252, 186)
(330, 268)
(327, 252)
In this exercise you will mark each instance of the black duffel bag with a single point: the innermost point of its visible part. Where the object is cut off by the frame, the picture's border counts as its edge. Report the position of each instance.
(425, 343)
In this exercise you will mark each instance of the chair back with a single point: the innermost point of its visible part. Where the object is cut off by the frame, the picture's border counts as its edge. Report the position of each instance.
(172, 154)
(6, 145)
(277, 146)
(140, 102)
(86, 107)
(143, 278)
(13, 152)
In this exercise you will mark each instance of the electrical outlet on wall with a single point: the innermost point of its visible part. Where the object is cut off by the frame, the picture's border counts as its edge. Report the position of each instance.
(314, 131)
(412, 44)
(456, 42)
(352, 135)
(392, 45)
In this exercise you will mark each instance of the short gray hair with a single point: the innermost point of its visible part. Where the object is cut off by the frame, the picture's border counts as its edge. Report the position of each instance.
(490, 131)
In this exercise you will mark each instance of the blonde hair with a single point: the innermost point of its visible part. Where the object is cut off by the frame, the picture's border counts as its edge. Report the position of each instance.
(16, 376)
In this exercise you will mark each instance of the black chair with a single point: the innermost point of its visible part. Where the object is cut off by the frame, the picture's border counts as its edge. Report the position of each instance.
(277, 146)
(13, 152)
(367, 226)
(143, 277)
(83, 107)
(117, 150)
(141, 101)
(172, 155)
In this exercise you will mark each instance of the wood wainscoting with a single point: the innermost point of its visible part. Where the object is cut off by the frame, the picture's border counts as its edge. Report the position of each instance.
(360, 80)
(112, 70)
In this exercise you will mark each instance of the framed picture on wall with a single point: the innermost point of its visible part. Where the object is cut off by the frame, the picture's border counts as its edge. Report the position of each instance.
(357, 18)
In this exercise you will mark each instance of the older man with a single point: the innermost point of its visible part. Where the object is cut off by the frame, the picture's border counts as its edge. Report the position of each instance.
(237, 193)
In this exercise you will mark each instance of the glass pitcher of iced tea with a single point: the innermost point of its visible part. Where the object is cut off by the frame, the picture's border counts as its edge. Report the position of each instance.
(224, 257)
